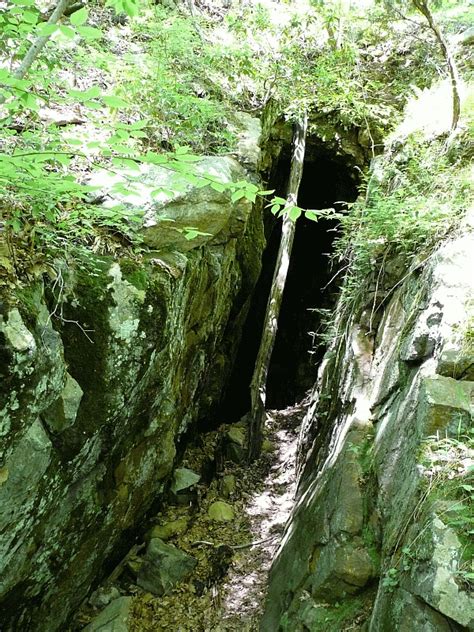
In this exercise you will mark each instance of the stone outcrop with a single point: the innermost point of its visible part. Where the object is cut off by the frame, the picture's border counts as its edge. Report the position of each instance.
(380, 539)
(105, 363)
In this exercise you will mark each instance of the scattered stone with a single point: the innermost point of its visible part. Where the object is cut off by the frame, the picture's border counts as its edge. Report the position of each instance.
(220, 511)
(168, 529)
(103, 596)
(227, 485)
(183, 478)
(114, 618)
(235, 444)
(164, 566)
(237, 435)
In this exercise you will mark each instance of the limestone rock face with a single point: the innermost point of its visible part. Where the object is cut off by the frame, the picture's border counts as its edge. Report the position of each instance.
(378, 535)
(97, 386)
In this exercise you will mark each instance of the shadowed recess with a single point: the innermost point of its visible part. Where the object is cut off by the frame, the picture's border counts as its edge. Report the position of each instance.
(328, 181)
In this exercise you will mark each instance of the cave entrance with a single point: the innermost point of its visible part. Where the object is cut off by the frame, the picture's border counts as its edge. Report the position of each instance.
(329, 180)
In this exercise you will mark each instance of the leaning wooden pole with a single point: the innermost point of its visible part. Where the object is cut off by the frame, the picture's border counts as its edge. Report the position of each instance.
(258, 385)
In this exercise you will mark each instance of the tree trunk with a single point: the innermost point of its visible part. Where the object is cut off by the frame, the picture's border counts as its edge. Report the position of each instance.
(422, 6)
(259, 380)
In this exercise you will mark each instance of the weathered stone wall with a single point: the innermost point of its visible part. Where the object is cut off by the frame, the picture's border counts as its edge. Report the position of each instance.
(103, 366)
(375, 528)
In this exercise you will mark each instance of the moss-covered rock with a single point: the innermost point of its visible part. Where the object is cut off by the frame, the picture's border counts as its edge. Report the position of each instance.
(104, 367)
(364, 529)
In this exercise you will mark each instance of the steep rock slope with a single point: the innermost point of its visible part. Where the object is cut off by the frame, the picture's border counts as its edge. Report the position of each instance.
(379, 538)
(104, 365)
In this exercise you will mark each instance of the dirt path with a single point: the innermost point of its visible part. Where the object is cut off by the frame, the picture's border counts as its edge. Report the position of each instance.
(242, 593)
(226, 591)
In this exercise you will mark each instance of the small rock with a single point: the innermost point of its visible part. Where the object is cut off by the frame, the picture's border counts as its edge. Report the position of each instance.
(220, 511)
(182, 479)
(114, 618)
(237, 435)
(134, 564)
(235, 444)
(227, 485)
(168, 529)
(163, 567)
(62, 413)
(103, 596)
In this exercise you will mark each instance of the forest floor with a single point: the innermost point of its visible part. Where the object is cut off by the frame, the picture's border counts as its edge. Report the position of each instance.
(226, 591)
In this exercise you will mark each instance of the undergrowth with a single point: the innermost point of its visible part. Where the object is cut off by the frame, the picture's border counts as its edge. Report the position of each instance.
(424, 191)
(447, 493)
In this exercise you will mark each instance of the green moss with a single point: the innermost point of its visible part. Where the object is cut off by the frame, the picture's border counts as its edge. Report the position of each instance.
(135, 273)
(29, 302)
(337, 617)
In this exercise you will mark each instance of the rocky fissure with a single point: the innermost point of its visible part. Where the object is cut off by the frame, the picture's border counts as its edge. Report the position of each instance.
(124, 393)
(206, 554)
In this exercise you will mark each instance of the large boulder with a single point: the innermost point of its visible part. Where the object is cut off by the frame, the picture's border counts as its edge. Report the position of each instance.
(384, 443)
(180, 212)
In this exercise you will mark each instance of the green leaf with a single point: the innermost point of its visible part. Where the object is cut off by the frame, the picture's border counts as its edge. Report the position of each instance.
(138, 124)
(85, 95)
(217, 186)
(62, 159)
(92, 105)
(294, 213)
(238, 195)
(29, 100)
(130, 7)
(311, 215)
(89, 32)
(46, 30)
(31, 17)
(188, 158)
(181, 150)
(78, 18)
(126, 162)
(67, 32)
(192, 233)
(113, 101)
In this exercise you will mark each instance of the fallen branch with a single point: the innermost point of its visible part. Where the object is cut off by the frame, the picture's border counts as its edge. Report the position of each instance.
(258, 385)
(235, 547)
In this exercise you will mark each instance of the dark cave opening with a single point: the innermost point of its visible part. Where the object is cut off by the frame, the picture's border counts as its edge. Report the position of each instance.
(328, 181)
